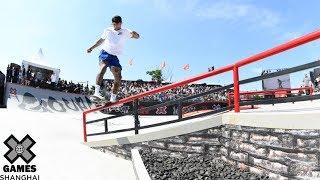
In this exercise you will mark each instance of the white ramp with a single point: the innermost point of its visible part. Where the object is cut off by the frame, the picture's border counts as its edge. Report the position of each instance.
(59, 151)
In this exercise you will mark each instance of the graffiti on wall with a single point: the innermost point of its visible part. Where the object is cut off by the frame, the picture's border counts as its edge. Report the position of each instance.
(42, 100)
(32, 103)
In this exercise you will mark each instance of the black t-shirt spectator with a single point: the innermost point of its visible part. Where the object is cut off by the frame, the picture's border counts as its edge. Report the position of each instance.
(15, 75)
(2, 80)
(23, 72)
(29, 73)
(9, 73)
(16, 72)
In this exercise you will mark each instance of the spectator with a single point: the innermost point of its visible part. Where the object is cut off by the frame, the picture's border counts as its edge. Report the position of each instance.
(9, 74)
(29, 74)
(210, 68)
(317, 82)
(2, 81)
(23, 75)
(12, 73)
(20, 76)
(53, 79)
(306, 81)
(15, 74)
(28, 78)
(38, 76)
(86, 89)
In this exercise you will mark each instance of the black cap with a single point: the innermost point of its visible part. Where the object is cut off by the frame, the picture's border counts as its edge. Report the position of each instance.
(117, 19)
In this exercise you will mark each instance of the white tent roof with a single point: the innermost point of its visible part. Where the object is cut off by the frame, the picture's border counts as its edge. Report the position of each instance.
(24, 62)
(27, 63)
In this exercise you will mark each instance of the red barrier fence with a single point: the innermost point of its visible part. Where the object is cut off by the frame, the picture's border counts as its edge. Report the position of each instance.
(232, 67)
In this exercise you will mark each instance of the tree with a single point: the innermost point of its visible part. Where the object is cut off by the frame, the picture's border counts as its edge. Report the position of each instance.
(156, 75)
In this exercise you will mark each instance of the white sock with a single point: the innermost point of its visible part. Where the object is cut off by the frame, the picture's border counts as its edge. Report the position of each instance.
(97, 89)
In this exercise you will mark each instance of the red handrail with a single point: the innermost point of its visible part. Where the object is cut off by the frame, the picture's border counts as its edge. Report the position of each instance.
(232, 67)
(278, 49)
(166, 87)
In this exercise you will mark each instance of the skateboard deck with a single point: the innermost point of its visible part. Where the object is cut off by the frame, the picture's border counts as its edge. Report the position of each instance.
(99, 102)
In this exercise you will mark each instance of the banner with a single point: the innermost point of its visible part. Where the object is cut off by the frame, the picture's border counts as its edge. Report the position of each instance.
(279, 82)
(44, 100)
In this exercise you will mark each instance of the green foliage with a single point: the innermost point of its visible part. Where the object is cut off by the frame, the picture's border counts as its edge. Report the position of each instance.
(156, 75)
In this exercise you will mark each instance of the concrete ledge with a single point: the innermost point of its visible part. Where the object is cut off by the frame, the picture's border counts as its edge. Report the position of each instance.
(279, 120)
(138, 166)
(188, 127)
(297, 120)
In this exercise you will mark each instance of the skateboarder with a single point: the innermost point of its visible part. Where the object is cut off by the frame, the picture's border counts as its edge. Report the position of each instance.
(112, 41)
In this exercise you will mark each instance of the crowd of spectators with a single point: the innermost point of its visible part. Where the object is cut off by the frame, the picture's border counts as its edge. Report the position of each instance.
(307, 82)
(29, 77)
(317, 83)
(37, 79)
(129, 88)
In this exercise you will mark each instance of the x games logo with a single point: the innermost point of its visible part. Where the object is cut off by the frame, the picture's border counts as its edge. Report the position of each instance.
(19, 149)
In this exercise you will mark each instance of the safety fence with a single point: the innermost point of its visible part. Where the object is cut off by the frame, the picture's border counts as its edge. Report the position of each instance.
(236, 93)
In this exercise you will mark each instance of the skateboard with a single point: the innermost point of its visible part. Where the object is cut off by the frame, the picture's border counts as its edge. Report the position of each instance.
(99, 102)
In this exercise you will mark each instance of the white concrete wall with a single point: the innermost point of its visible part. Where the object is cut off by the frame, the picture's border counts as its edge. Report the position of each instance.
(44, 100)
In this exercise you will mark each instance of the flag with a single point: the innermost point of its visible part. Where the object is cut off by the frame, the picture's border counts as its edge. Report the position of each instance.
(186, 67)
(163, 65)
(40, 53)
(130, 62)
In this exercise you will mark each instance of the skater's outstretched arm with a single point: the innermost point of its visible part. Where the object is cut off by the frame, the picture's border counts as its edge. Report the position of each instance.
(98, 43)
(135, 35)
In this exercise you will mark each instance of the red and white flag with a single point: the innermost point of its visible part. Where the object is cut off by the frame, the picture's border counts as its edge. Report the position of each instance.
(186, 67)
(130, 62)
(163, 65)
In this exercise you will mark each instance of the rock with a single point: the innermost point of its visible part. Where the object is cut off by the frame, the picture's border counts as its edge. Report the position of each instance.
(162, 166)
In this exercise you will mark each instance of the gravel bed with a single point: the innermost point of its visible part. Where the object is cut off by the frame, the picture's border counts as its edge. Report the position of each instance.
(195, 167)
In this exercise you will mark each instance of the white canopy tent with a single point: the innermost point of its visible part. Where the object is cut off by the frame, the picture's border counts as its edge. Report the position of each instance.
(56, 71)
